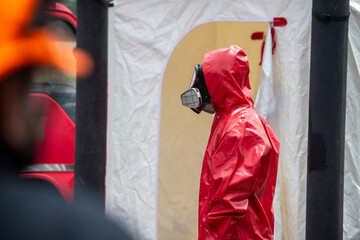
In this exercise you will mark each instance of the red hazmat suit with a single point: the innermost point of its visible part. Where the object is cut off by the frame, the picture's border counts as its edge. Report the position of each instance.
(239, 170)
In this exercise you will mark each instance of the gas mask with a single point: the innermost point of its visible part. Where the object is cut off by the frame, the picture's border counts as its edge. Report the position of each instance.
(197, 97)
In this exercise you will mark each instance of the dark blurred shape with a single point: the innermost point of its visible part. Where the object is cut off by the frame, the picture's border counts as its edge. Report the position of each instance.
(30, 212)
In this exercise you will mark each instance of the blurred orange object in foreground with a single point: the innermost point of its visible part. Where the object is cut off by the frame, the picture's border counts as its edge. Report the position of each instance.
(22, 45)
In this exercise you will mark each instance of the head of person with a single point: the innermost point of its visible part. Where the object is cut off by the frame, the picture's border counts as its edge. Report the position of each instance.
(26, 44)
(220, 83)
(197, 97)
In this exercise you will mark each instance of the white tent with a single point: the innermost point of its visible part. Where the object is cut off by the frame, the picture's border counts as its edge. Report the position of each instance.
(146, 34)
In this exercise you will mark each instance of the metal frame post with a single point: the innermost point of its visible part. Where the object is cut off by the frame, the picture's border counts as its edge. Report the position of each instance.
(91, 102)
(325, 187)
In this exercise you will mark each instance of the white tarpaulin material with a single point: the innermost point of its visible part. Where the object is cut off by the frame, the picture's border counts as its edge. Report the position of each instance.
(265, 100)
(145, 33)
(265, 105)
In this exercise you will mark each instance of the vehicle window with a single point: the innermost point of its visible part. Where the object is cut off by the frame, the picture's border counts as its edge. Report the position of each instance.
(61, 87)
(62, 29)
(58, 86)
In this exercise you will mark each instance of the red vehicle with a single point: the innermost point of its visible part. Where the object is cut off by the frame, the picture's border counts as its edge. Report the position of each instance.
(55, 95)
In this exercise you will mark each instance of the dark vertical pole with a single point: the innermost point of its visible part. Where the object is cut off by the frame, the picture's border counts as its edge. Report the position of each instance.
(329, 37)
(91, 102)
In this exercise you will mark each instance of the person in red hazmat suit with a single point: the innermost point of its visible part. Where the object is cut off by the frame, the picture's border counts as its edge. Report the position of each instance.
(239, 170)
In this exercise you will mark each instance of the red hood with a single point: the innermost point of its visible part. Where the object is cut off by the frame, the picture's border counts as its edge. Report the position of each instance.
(226, 73)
